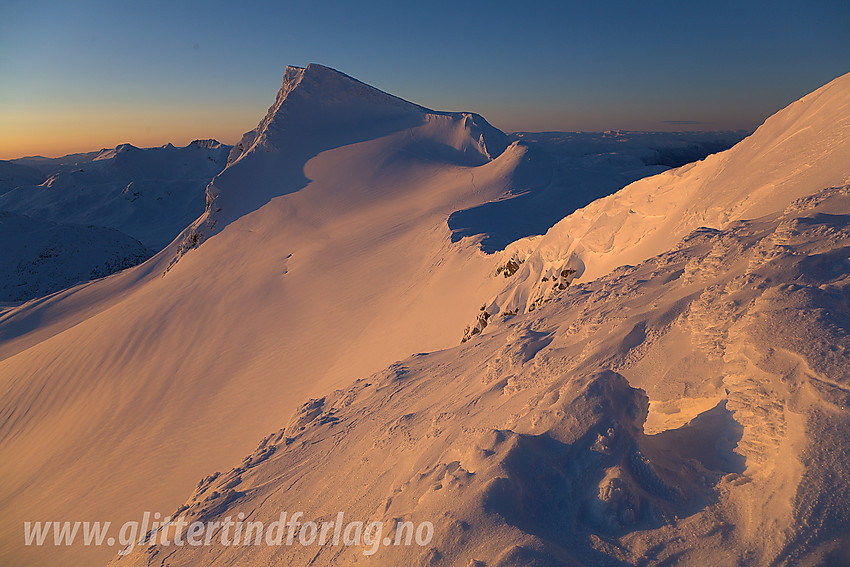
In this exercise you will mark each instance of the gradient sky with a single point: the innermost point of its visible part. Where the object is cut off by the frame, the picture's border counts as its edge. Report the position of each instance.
(81, 75)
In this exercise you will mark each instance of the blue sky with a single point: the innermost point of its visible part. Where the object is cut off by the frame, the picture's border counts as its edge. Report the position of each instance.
(77, 76)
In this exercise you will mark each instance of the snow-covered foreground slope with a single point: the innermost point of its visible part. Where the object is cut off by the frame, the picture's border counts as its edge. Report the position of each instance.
(320, 260)
(41, 257)
(150, 194)
(689, 409)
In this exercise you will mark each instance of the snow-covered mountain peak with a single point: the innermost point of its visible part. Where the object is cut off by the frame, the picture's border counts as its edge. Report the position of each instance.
(318, 100)
(110, 153)
(331, 85)
(207, 144)
(318, 109)
(321, 98)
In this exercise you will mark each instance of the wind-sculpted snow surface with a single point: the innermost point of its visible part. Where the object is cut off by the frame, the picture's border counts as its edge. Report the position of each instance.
(800, 148)
(688, 410)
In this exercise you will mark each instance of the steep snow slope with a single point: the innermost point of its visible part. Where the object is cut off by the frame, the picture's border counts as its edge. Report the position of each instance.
(797, 150)
(150, 194)
(41, 257)
(688, 410)
(119, 394)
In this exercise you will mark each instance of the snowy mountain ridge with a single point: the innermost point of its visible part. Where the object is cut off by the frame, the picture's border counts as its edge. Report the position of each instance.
(801, 147)
(83, 216)
(14, 175)
(149, 194)
(42, 257)
(345, 102)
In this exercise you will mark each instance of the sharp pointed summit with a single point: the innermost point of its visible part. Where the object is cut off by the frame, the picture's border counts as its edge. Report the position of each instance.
(318, 109)
(320, 99)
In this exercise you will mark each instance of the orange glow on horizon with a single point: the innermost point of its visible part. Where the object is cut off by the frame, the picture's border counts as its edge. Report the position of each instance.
(31, 132)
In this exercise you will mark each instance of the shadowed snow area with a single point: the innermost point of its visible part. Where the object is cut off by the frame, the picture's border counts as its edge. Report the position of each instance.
(564, 171)
(660, 379)
(43, 257)
(15, 175)
(85, 216)
(150, 194)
